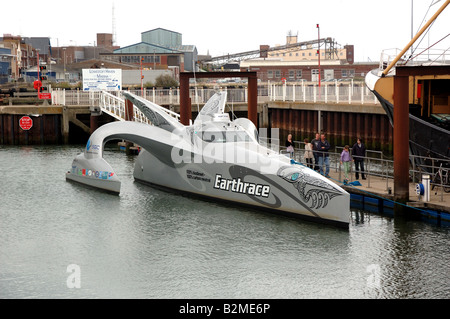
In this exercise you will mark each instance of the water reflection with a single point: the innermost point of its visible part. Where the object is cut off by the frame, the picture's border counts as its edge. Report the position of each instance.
(149, 243)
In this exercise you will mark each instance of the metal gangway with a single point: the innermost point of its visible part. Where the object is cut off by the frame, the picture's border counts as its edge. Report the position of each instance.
(114, 105)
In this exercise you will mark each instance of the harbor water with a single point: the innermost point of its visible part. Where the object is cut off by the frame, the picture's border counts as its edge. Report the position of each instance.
(61, 240)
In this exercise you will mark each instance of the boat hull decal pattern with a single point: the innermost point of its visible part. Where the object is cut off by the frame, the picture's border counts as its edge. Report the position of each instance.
(311, 190)
(242, 172)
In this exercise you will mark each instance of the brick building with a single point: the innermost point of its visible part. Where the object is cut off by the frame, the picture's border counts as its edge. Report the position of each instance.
(22, 54)
(297, 71)
(299, 61)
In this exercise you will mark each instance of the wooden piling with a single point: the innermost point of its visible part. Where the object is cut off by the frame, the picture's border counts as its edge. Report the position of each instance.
(401, 139)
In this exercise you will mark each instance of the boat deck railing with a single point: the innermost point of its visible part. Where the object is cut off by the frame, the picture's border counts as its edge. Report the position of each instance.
(418, 57)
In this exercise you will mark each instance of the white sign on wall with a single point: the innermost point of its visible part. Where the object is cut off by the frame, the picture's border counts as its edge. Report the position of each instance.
(102, 79)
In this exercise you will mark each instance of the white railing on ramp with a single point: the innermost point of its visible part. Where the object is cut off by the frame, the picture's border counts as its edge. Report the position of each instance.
(115, 106)
(110, 104)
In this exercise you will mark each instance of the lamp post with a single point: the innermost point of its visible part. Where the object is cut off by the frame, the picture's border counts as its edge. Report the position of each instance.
(318, 50)
(93, 46)
(142, 79)
(64, 49)
(38, 69)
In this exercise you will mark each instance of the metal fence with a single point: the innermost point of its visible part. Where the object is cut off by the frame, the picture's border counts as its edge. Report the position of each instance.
(159, 96)
(437, 169)
(326, 93)
(379, 166)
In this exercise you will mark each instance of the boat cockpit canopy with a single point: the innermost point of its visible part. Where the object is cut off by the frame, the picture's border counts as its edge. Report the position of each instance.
(225, 136)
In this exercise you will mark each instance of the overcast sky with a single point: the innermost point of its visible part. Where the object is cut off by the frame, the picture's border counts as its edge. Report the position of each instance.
(229, 26)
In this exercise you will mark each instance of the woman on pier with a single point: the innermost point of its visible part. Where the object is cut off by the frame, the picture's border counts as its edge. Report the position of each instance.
(346, 159)
(308, 154)
(290, 146)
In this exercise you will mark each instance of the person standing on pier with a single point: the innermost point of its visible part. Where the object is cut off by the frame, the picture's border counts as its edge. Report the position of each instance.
(315, 148)
(358, 154)
(308, 154)
(324, 156)
(290, 146)
(346, 159)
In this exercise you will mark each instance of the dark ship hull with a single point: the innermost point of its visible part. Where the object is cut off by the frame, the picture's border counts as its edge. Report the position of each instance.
(426, 139)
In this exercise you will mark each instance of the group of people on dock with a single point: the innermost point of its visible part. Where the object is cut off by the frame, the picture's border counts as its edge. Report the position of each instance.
(317, 156)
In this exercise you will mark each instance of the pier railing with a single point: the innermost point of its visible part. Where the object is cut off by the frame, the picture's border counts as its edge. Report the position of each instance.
(328, 92)
(375, 165)
(438, 171)
(114, 105)
(111, 104)
(378, 166)
(199, 96)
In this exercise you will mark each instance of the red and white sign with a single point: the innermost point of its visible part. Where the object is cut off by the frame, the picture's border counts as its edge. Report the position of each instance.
(26, 123)
(44, 96)
(37, 84)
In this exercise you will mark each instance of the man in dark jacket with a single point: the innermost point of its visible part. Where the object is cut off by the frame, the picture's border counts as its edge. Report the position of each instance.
(315, 147)
(324, 156)
(358, 154)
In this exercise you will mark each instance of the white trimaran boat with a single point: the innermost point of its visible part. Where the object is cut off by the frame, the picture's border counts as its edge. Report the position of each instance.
(216, 158)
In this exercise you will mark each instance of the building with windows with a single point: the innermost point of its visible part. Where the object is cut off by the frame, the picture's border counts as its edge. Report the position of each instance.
(22, 54)
(75, 54)
(297, 62)
(5, 64)
(42, 44)
(159, 49)
(307, 51)
(277, 70)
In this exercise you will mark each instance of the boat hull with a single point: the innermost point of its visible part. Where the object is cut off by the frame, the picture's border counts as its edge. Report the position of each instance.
(289, 190)
(95, 173)
(425, 139)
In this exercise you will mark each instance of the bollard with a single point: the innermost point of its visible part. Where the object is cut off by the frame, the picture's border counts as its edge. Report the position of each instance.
(426, 186)
(423, 189)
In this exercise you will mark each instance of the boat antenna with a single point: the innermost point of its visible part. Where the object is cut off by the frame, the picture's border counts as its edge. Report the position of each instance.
(421, 23)
(232, 109)
(195, 84)
(398, 57)
(232, 105)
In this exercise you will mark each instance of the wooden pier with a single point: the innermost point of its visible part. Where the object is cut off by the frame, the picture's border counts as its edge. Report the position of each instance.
(46, 125)
(52, 124)
(343, 123)
(378, 192)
